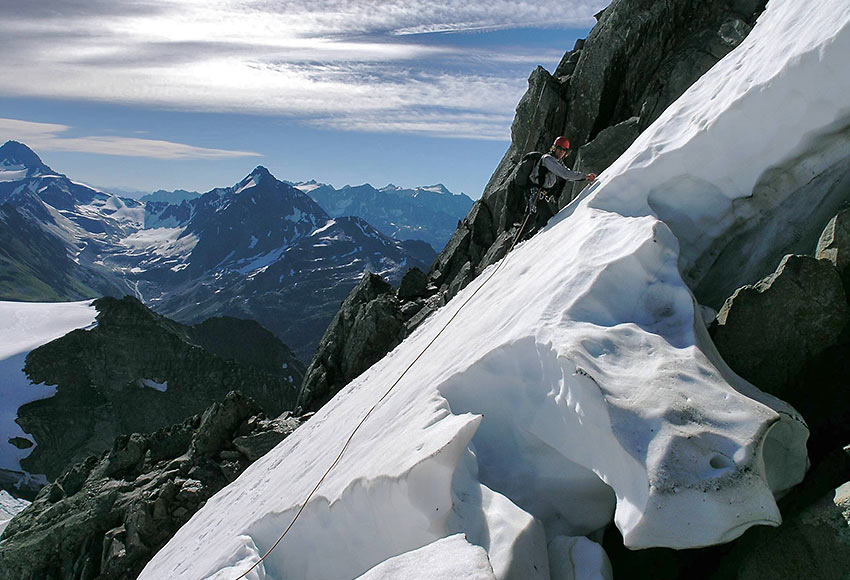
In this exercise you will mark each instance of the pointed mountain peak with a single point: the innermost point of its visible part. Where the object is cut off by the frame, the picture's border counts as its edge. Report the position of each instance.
(261, 173)
(391, 187)
(16, 154)
(259, 176)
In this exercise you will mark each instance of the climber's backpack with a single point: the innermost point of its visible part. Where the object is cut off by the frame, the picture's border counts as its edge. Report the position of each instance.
(525, 170)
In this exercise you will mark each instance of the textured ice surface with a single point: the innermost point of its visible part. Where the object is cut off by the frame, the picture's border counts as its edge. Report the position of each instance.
(451, 558)
(578, 384)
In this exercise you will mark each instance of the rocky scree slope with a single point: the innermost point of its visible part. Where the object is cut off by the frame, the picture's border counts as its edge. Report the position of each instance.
(138, 371)
(106, 516)
(637, 60)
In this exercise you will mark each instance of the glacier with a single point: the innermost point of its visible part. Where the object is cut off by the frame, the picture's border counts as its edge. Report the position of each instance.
(575, 383)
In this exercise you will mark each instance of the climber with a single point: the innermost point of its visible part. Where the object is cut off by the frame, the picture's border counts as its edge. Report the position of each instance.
(546, 173)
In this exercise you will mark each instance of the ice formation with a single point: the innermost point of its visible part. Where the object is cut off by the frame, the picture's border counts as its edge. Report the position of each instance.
(577, 384)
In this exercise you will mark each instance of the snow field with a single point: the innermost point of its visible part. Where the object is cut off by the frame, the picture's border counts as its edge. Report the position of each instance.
(578, 382)
(765, 121)
(25, 326)
(451, 558)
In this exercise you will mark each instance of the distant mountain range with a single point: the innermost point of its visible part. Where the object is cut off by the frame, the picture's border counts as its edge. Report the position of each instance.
(427, 213)
(176, 196)
(261, 249)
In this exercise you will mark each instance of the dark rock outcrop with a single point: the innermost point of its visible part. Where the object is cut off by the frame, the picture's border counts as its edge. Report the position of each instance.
(106, 517)
(793, 340)
(638, 59)
(768, 332)
(137, 371)
(413, 285)
(600, 153)
(642, 55)
(366, 327)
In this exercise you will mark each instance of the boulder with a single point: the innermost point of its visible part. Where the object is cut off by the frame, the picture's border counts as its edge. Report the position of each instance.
(262, 435)
(768, 332)
(413, 284)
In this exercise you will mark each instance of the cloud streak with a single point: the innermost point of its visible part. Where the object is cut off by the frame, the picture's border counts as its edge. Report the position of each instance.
(323, 61)
(49, 137)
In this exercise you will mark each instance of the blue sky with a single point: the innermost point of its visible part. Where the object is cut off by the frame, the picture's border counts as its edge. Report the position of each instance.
(194, 94)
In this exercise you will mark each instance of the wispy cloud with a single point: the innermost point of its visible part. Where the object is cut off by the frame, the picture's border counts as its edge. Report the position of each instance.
(49, 137)
(322, 60)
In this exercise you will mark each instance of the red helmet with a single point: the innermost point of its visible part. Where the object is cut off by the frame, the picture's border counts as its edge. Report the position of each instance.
(562, 142)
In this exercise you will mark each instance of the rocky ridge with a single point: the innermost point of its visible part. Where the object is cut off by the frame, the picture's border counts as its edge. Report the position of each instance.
(638, 59)
(787, 334)
(137, 371)
(125, 504)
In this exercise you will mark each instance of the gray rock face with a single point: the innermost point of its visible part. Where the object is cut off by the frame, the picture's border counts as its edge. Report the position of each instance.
(413, 285)
(768, 332)
(367, 325)
(137, 371)
(638, 59)
(601, 152)
(834, 245)
(642, 55)
(106, 517)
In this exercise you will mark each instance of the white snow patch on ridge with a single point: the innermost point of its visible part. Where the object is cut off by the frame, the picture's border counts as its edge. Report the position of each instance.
(307, 187)
(329, 224)
(578, 382)
(25, 326)
(12, 175)
(247, 185)
(152, 384)
(9, 508)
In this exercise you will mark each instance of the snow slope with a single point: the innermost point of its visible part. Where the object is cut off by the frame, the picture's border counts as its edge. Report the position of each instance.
(577, 384)
(25, 326)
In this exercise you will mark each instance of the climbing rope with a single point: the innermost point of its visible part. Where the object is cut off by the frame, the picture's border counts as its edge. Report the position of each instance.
(385, 395)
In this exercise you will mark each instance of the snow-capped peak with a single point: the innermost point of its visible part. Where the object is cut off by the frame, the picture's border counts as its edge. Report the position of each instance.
(17, 156)
(255, 178)
(261, 173)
